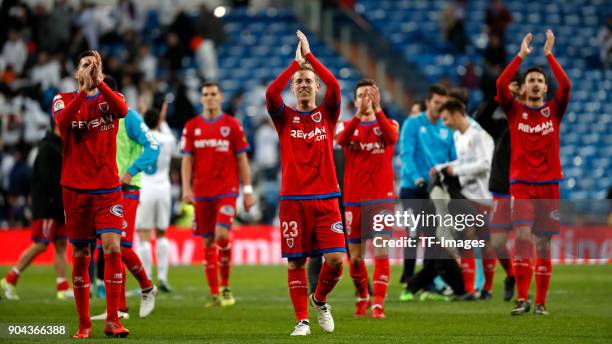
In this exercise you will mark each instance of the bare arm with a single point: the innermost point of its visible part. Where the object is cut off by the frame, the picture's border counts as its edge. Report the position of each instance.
(245, 176)
(186, 174)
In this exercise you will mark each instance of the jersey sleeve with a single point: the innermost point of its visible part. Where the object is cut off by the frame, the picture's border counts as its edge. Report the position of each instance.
(66, 109)
(483, 147)
(274, 99)
(239, 140)
(408, 134)
(345, 131)
(115, 100)
(138, 131)
(186, 145)
(562, 96)
(504, 96)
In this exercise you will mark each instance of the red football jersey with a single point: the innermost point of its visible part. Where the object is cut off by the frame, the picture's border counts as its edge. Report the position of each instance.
(368, 156)
(534, 132)
(214, 145)
(88, 132)
(307, 158)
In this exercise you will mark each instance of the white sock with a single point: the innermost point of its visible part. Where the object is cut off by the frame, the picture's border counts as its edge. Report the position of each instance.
(163, 249)
(144, 251)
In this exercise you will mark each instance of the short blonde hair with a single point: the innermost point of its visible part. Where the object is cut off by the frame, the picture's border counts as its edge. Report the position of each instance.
(307, 66)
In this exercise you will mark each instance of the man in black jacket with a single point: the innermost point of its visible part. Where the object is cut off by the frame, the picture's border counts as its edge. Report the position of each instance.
(48, 217)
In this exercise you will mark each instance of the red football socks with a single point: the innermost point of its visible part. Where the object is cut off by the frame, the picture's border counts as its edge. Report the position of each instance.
(298, 290)
(13, 276)
(488, 264)
(62, 284)
(122, 298)
(225, 257)
(80, 283)
(468, 270)
(543, 270)
(133, 263)
(211, 267)
(328, 278)
(114, 279)
(382, 272)
(522, 267)
(359, 274)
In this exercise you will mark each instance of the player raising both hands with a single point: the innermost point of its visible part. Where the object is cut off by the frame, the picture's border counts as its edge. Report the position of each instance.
(310, 219)
(535, 168)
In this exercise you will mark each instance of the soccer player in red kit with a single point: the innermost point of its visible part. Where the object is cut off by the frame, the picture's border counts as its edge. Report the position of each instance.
(535, 168)
(88, 122)
(368, 140)
(214, 157)
(311, 224)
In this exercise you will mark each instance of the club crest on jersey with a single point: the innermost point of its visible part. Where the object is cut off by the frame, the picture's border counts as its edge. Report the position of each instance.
(198, 132)
(296, 119)
(117, 210)
(525, 115)
(225, 131)
(377, 131)
(545, 112)
(316, 116)
(103, 106)
(290, 242)
(337, 227)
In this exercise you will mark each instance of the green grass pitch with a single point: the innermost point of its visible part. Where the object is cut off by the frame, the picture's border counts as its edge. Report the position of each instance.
(580, 303)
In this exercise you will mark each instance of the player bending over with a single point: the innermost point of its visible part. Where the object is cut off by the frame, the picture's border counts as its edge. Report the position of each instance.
(535, 168)
(88, 122)
(369, 141)
(214, 156)
(311, 224)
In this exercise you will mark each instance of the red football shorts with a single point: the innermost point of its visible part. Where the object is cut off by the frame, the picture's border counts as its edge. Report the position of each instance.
(212, 213)
(500, 220)
(310, 227)
(89, 215)
(130, 206)
(48, 230)
(536, 206)
(362, 217)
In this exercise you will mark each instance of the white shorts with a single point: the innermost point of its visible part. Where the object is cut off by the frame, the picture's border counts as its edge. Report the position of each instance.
(154, 209)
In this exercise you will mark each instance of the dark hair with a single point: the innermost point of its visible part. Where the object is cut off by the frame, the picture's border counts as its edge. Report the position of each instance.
(151, 118)
(421, 104)
(536, 70)
(437, 89)
(362, 83)
(453, 106)
(518, 78)
(460, 94)
(210, 84)
(85, 53)
(110, 82)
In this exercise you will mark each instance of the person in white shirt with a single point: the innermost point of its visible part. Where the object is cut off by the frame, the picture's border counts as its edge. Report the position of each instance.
(14, 52)
(474, 147)
(155, 209)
